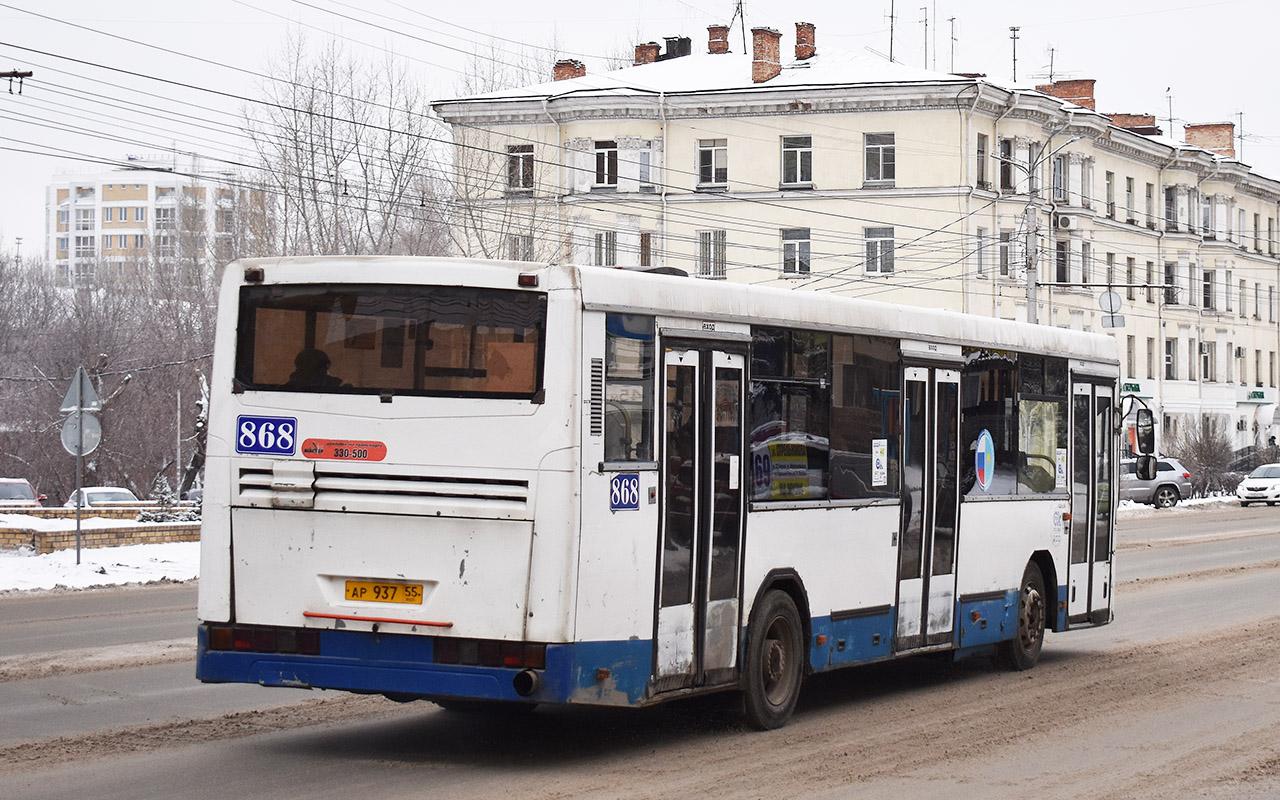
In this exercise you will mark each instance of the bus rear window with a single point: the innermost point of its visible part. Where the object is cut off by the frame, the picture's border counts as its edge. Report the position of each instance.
(408, 340)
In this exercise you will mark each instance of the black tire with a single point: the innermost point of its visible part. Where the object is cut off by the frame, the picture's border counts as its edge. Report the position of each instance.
(1166, 497)
(1243, 504)
(1023, 650)
(775, 662)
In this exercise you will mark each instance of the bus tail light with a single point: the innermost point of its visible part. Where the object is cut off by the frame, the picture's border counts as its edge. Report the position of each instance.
(529, 279)
(487, 653)
(303, 641)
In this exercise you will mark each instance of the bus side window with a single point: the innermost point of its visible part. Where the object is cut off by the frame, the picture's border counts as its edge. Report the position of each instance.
(628, 387)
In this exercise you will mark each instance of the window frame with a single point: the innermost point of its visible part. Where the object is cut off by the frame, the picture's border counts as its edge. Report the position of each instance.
(799, 172)
(879, 250)
(713, 163)
(797, 252)
(882, 155)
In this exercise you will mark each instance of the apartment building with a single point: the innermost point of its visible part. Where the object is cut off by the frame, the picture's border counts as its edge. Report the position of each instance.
(835, 171)
(148, 212)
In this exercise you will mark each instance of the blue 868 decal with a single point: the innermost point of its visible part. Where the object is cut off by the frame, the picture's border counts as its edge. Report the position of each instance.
(624, 492)
(276, 436)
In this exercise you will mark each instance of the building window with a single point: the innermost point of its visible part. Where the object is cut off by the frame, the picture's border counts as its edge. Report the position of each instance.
(879, 250)
(606, 249)
(1151, 205)
(1063, 263)
(84, 219)
(139, 241)
(646, 249)
(1151, 358)
(122, 242)
(1207, 293)
(1151, 279)
(880, 166)
(606, 164)
(797, 160)
(979, 252)
(84, 247)
(1206, 217)
(1244, 287)
(1206, 362)
(1060, 179)
(1006, 165)
(1257, 367)
(1271, 236)
(795, 251)
(1257, 301)
(1111, 195)
(109, 214)
(981, 173)
(224, 220)
(165, 218)
(1130, 277)
(520, 247)
(645, 159)
(1006, 252)
(1129, 200)
(1257, 232)
(1271, 304)
(1170, 209)
(1170, 359)
(712, 262)
(164, 246)
(1131, 356)
(1086, 262)
(1170, 283)
(520, 166)
(713, 161)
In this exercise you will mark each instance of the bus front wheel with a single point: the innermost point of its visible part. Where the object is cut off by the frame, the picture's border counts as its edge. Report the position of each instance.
(774, 663)
(1023, 650)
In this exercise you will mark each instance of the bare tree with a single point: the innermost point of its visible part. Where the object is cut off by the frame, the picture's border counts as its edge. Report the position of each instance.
(345, 148)
(1205, 450)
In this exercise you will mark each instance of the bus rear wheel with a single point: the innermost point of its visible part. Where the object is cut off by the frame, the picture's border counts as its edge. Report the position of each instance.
(1023, 650)
(774, 662)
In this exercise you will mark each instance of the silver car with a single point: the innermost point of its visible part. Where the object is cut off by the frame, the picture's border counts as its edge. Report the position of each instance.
(1171, 484)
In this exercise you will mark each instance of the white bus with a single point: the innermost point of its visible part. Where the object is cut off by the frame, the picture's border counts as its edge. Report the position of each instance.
(494, 482)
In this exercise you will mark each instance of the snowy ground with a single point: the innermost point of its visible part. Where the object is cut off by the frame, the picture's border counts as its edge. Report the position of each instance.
(106, 566)
(180, 561)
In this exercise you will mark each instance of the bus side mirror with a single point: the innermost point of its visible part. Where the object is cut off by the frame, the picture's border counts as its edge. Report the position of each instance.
(1146, 432)
(1144, 468)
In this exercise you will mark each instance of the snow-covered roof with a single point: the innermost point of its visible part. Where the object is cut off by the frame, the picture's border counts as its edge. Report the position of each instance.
(727, 72)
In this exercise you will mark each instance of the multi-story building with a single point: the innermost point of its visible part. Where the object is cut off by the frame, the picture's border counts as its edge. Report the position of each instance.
(147, 213)
(842, 172)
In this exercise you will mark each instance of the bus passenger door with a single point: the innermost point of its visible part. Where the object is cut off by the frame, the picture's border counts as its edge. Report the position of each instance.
(930, 508)
(1092, 496)
(699, 582)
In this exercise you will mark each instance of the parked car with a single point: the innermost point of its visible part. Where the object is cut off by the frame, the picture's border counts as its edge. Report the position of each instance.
(18, 493)
(1171, 484)
(102, 496)
(1260, 486)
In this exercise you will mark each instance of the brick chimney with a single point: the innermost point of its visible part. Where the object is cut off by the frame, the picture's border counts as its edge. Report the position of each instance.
(647, 53)
(1079, 92)
(1220, 137)
(1144, 124)
(805, 47)
(717, 39)
(765, 62)
(567, 68)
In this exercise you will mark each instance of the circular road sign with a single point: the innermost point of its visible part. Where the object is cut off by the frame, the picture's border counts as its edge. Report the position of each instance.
(71, 436)
(1109, 302)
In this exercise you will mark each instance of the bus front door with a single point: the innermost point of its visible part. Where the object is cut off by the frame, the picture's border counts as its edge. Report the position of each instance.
(1092, 496)
(930, 508)
(699, 582)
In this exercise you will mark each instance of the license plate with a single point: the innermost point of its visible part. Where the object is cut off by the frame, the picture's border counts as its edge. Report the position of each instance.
(369, 591)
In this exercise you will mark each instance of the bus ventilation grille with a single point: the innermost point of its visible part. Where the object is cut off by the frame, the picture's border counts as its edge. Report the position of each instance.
(597, 397)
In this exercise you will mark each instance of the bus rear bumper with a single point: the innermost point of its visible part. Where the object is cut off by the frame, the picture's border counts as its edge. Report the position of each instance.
(596, 673)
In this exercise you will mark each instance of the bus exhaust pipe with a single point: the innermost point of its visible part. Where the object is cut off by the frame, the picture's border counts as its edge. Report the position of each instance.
(526, 683)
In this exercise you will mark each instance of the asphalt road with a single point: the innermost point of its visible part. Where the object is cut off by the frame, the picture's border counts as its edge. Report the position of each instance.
(1179, 696)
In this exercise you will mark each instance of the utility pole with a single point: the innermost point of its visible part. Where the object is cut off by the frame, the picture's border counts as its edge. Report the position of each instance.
(925, 11)
(19, 74)
(1240, 136)
(1014, 31)
(952, 20)
(892, 18)
(1169, 97)
(935, 34)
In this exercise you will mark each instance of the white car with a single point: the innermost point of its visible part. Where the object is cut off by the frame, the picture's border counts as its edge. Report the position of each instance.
(102, 496)
(1261, 486)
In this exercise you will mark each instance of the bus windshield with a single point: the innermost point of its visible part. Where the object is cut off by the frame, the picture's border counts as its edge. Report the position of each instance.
(397, 339)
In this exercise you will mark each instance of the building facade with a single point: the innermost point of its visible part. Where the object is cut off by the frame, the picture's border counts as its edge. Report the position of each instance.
(148, 213)
(833, 171)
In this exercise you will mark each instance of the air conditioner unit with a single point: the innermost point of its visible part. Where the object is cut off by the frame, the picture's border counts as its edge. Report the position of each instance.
(1204, 348)
(1067, 222)
(1240, 352)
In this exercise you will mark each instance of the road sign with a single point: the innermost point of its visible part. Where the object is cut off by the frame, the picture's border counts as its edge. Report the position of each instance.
(1109, 302)
(73, 439)
(80, 394)
(1113, 321)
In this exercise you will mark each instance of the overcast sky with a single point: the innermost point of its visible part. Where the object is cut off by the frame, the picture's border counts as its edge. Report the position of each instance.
(94, 93)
